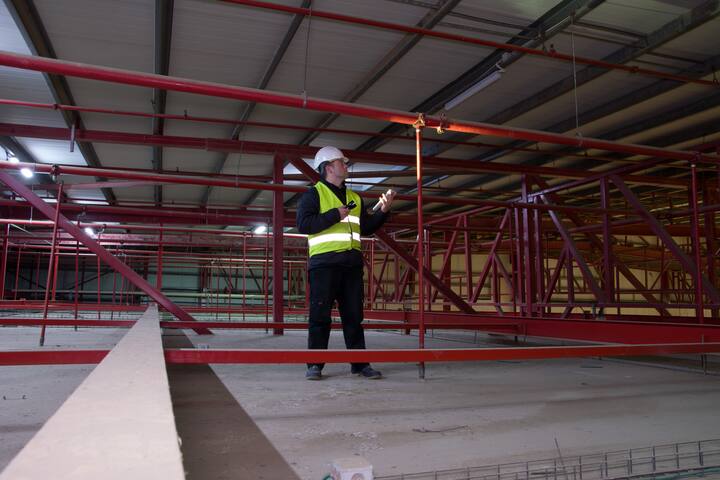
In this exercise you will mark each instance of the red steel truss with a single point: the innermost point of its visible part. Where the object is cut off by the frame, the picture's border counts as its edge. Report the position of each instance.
(633, 259)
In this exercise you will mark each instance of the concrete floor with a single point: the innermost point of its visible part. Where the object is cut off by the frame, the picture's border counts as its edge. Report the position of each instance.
(29, 395)
(461, 415)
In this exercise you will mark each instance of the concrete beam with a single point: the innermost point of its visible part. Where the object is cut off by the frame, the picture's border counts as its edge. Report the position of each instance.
(118, 424)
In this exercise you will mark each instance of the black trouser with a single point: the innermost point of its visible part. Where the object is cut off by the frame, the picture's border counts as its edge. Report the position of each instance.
(344, 285)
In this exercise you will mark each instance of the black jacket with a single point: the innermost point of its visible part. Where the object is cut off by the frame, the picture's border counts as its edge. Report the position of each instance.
(311, 221)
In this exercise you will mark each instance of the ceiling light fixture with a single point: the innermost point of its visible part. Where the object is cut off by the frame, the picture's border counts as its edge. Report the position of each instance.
(13, 159)
(26, 172)
(481, 85)
(90, 231)
(260, 229)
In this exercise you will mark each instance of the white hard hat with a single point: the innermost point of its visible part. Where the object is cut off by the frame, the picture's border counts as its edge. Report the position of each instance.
(328, 154)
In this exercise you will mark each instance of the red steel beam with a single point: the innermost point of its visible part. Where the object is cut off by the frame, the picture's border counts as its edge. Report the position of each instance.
(129, 77)
(223, 145)
(103, 213)
(194, 356)
(283, 126)
(52, 357)
(275, 187)
(66, 322)
(44, 208)
(509, 328)
(381, 315)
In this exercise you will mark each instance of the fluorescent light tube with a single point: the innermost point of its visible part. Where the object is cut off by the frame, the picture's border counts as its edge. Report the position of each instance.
(482, 84)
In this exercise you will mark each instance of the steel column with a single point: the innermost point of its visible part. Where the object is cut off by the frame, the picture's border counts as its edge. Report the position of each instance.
(159, 269)
(607, 243)
(3, 266)
(468, 258)
(52, 266)
(710, 235)
(528, 251)
(420, 242)
(695, 220)
(277, 254)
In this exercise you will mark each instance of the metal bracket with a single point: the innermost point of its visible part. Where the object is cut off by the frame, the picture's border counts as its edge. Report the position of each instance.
(54, 173)
(72, 138)
(442, 127)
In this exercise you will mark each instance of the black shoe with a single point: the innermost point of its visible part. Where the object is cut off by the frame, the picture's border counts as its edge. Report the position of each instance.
(313, 373)
(369, 372)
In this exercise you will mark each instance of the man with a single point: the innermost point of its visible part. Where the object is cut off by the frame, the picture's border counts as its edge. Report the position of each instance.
(334, 217)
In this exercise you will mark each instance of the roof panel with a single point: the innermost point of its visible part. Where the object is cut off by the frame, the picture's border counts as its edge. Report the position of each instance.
(53, 151)
(245, 164)
(229, 196)
(189, 160)
(520, 12)
(699, 44)
(335, 63)
(116, 34)
(183, 193)
(427, 68)
(138, 194)
(124, 156)
(219, 42)
(641, 16)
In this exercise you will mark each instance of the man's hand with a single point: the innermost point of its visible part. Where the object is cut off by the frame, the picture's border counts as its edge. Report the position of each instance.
(386, 200)
(343, 211)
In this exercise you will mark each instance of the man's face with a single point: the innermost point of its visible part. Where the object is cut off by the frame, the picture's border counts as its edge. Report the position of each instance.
(339, 169)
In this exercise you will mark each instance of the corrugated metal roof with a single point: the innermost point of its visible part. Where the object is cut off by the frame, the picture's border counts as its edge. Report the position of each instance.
(232, 44)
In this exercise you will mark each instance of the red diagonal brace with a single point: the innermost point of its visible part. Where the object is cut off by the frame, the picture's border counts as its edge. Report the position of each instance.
(98, 250)
(627, 273)
(575, 253)
(453, 297)
(667, 239)
(490, 257)
(447, 257)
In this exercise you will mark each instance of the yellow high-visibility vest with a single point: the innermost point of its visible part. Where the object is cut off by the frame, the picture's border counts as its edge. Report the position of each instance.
(345, 234)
